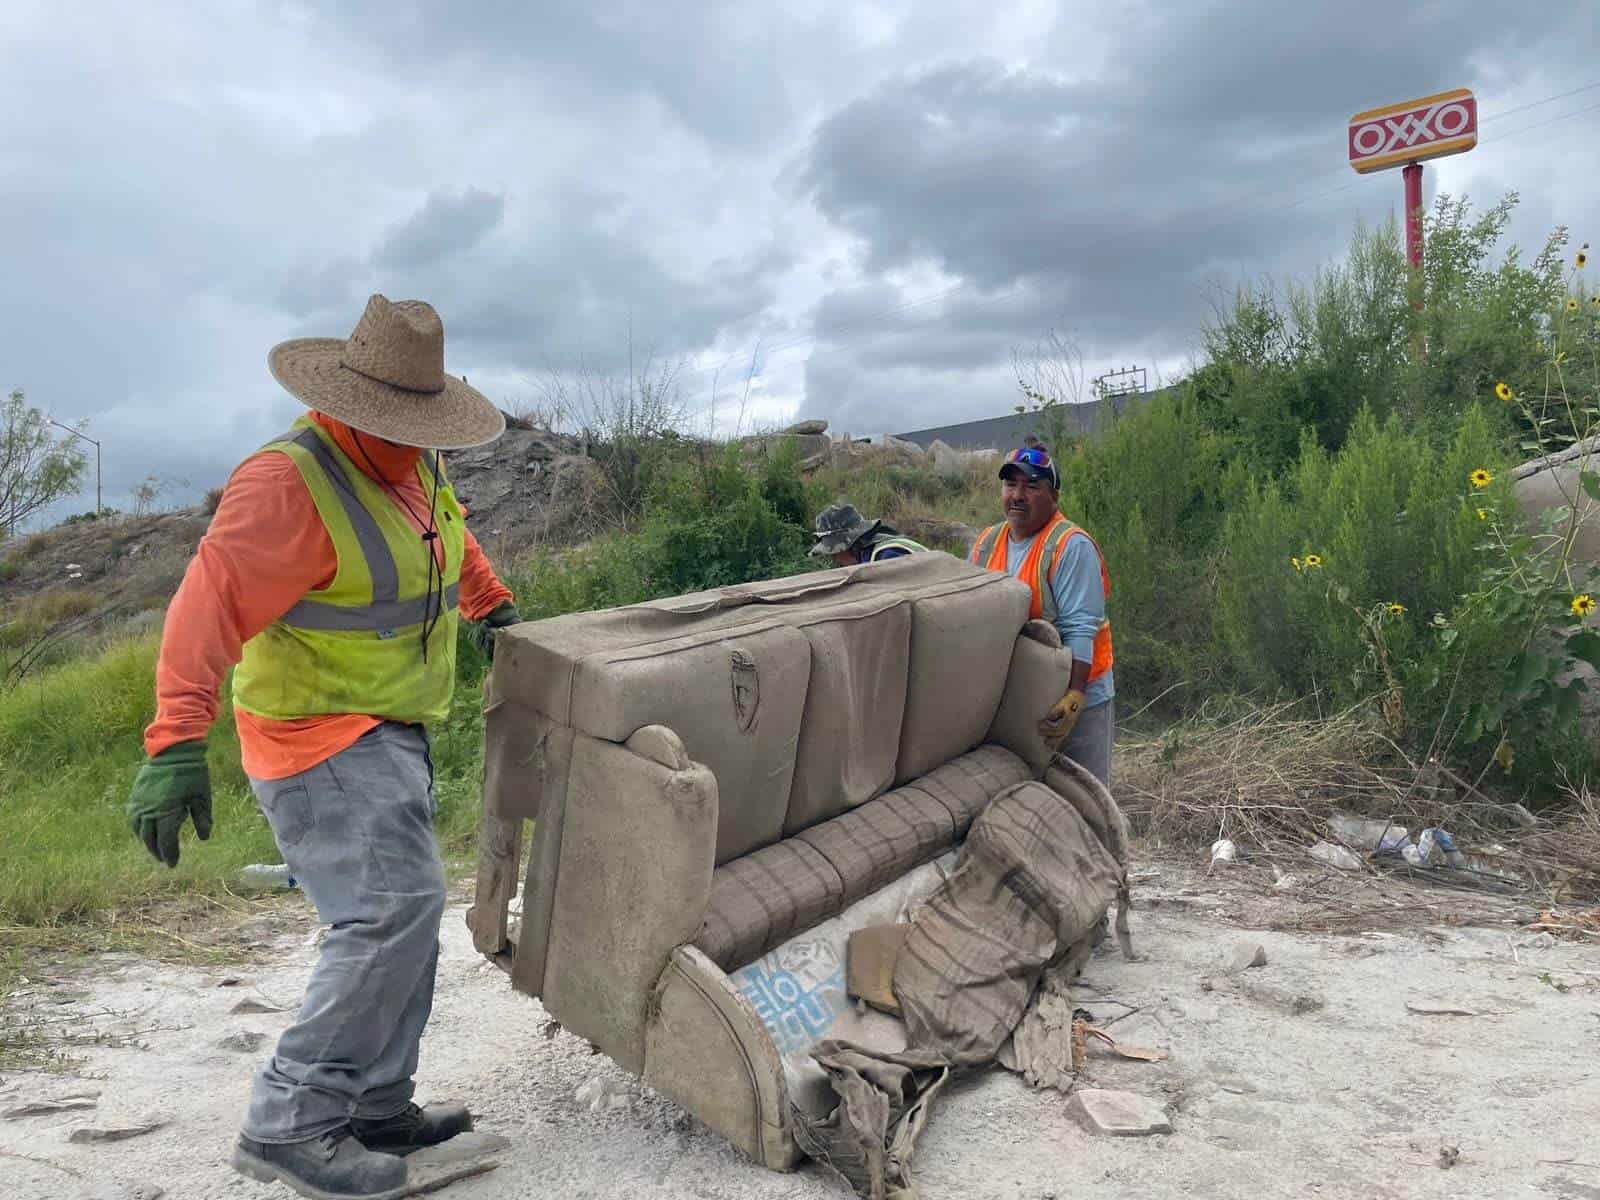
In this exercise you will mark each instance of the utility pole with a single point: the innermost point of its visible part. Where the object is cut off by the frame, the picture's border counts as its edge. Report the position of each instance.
(98, 506)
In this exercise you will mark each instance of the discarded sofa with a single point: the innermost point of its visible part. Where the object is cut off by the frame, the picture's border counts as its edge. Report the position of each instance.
(711, 775)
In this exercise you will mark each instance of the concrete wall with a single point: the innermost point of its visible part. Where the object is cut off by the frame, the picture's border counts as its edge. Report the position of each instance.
(1003, 433)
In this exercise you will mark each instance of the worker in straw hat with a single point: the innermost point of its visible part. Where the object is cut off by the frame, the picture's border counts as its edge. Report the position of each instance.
(334, 574)
(848, 538)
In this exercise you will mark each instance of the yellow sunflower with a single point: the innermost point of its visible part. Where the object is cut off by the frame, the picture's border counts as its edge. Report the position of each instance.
(1582, 604)
(1313, 560)
(1481, 478)
(1583, 257)
(1397, 610)
(1503, 391)
(1483, 514)
(1505, 755)
(1595, 299)
(1572, 304)
(1297, 564)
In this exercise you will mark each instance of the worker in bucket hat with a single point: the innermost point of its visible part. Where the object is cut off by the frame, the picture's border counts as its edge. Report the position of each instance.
(333, 577)
(848, 538)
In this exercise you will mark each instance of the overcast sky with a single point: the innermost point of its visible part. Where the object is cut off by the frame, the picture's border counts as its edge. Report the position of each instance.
(886, 197)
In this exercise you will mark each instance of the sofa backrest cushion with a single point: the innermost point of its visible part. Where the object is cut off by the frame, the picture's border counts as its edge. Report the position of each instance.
(962, 635)
(850, 733)
(732, 691)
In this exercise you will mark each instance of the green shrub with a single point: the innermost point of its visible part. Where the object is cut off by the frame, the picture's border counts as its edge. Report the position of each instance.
(1386, 521)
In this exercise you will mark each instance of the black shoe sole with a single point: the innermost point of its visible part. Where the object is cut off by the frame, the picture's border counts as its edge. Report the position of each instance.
(262, 1171)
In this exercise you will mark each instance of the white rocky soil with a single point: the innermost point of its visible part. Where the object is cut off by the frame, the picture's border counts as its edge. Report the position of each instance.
(1436, 1062)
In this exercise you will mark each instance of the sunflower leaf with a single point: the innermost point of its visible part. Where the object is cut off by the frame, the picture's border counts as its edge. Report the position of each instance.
(1585, 645)
(1591, 483)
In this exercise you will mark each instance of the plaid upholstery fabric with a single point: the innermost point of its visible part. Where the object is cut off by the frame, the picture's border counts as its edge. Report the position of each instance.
(761, 900)
(873, 845)
(965, 785)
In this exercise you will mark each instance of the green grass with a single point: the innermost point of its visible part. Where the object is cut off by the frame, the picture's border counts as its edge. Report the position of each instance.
(69, 749)
(70, 745)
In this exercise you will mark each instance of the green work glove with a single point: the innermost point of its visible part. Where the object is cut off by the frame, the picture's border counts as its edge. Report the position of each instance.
(171, 786)
(483, 632)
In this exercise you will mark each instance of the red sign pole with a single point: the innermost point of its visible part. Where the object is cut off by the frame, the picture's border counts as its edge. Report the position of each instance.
(1413, 178)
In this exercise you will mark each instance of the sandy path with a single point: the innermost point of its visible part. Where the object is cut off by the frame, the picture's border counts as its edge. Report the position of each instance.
(1353, 1098)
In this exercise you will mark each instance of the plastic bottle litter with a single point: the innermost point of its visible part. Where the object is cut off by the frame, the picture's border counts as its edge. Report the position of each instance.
(271, 877)
(1339, 857)
(1434, 848)
(1223, 851)
(1366, 836)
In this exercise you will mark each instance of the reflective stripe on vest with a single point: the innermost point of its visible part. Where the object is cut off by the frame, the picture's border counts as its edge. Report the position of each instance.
(896, 543)
(1038, 566)
(356, 645)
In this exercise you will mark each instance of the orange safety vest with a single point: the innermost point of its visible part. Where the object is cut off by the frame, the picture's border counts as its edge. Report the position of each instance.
(1038, 565)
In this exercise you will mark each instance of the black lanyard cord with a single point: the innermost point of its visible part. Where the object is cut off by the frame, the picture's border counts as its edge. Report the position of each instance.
(433, 599)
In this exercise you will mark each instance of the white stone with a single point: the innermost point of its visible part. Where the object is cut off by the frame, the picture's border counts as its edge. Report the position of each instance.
(1117, 1114)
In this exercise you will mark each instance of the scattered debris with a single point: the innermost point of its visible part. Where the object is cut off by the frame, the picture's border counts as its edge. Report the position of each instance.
(45, 1108)
(549, 1029)
(1223, 852)
(1449, 1156)
(1554, 922)
(1439, 1010)
(602, 1092)
(229, 981)
(256, 1006)
(1367, 836)
(115, 1133)
(463, 1156)
(128, 1191)
(1117, 1114)
(1246, 956)
(245, 1041)
(1339, 857)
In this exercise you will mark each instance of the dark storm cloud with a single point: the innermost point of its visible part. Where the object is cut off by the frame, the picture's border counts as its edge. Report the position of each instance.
(894, 193)
(446, 224)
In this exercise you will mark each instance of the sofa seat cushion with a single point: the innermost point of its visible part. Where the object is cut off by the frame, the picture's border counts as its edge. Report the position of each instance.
(764, 898)
(761, 900)
(873, 845)
(965, 785)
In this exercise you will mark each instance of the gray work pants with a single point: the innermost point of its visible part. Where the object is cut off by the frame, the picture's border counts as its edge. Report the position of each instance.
(1089, 743)
(357, 834)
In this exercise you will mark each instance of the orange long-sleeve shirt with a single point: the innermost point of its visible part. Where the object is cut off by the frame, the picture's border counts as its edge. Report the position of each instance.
(266, 548)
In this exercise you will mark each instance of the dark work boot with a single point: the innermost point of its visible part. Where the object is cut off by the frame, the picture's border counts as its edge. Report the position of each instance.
(413, 1128)
(333, 1166)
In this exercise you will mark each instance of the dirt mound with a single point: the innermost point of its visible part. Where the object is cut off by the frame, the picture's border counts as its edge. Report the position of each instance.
(530, 488)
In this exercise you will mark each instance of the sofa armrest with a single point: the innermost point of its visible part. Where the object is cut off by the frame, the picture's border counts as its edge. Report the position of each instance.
(638, 841)
(1041, 670)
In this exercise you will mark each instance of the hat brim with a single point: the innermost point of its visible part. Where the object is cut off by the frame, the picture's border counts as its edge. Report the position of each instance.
(1029, 471)
(836, 543)
(454, 418)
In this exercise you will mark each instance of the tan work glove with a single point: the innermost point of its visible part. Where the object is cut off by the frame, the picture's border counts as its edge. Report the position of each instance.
(1058, 722)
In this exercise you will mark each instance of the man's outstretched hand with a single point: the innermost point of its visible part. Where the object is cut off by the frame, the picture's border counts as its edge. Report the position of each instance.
(172, 786)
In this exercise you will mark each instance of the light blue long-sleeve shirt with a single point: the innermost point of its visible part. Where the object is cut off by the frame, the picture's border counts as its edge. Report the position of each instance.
(1080, 603)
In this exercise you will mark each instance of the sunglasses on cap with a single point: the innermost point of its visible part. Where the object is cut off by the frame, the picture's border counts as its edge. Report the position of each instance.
(1035, 463)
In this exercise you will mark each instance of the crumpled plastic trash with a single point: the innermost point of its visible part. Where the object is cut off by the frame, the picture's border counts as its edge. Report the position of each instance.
(1339, 857)
(1223, 851)
(601, 1092)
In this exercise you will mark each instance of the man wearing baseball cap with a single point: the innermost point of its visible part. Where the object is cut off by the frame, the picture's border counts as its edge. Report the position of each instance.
(1066, 572)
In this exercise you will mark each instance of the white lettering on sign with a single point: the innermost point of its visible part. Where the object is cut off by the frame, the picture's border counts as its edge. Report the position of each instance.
(1388, 136)
(1401, 133)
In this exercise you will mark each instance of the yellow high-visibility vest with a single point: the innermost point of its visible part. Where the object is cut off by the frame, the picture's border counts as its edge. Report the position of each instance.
(356, 645)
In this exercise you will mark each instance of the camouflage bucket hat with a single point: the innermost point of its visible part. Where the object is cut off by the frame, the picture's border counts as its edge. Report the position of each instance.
(840, 526)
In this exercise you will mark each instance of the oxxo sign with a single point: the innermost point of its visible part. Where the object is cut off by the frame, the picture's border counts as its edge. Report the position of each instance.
(1414, 131)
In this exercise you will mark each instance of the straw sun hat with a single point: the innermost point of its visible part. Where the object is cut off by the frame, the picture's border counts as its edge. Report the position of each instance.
(388, 379)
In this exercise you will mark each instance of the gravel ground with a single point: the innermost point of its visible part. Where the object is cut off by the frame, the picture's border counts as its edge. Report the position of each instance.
(1310, 1076)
